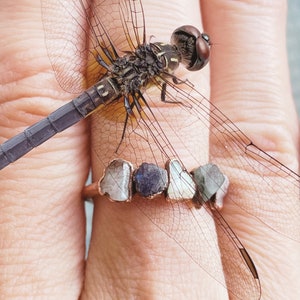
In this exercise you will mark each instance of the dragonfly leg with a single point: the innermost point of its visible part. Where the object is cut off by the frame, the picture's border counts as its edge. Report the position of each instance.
(129, 113)
(102, 62)
(164, 93)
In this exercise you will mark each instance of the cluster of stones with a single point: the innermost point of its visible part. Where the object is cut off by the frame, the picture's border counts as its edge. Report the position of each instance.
(120, 181)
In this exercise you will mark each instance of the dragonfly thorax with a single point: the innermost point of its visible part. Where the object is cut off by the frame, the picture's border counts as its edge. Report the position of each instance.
(136, 69)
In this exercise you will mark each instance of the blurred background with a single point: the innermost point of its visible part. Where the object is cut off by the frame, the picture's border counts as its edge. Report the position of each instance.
(293, 45)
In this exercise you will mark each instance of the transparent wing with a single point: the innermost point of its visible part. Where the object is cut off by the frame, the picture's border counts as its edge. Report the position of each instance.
(65, 27)
(147, 130)
(74, 29)
(205, 250)
(242, 156)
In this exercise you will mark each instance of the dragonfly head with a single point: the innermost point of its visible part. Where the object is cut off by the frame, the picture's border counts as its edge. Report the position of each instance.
(193, 46)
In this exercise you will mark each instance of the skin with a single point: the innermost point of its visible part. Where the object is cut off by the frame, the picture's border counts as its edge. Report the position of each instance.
(42, 223)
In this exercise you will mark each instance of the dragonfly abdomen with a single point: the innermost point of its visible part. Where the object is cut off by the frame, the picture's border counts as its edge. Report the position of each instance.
(59, 120)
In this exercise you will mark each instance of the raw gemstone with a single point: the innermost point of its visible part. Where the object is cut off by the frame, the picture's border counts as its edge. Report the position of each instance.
(181, 186)
(150, 180)
(116, 182)
(212, 184)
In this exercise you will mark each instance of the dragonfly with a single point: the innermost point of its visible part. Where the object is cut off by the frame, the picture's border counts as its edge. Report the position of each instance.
(130, 117)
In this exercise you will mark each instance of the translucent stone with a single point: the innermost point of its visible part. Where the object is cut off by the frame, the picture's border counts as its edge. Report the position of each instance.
(116, 182)
(212, 184)
(181, 185)
(150, 180)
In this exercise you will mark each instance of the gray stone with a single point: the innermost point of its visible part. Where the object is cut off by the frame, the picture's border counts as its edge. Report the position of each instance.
(212, 184)
(116, 182)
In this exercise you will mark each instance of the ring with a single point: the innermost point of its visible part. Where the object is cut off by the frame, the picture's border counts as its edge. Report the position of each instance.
(121, 182)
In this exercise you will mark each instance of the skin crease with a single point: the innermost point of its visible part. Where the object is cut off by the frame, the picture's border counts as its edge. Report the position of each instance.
(42, 224)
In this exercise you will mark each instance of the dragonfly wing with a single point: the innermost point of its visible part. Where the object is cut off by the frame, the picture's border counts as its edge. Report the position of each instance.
(79, 34)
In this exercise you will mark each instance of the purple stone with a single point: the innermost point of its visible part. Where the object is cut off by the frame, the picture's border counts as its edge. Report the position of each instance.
(150, 180)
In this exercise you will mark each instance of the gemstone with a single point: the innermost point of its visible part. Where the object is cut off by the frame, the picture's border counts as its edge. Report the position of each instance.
(116, 182)
(150, 180)
(212, 184)
(181, 186)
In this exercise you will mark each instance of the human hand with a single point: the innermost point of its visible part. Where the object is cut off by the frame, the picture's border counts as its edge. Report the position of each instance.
(43, 218)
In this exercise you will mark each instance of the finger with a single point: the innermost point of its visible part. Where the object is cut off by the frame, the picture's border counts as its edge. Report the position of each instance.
(250, 85)
(42, 216)
(133, 252)
(250, 72)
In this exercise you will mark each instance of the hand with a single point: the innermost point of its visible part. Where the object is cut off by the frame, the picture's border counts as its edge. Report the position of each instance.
(42, 216)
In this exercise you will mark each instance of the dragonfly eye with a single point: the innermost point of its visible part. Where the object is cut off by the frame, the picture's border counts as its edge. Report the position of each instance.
(192, 46)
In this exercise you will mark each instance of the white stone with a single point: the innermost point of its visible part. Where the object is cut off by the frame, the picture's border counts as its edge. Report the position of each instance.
(116, 182)
(181, 184)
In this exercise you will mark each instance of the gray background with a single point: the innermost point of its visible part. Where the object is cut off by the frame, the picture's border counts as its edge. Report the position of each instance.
(293, 45)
